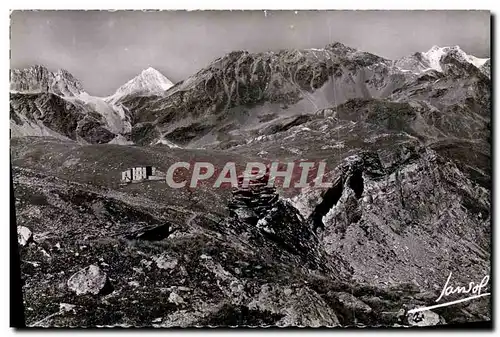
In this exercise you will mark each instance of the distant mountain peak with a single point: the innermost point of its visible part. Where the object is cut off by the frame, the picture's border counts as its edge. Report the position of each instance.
(435, 54)
(37, 79)
(150, 70)
(149, 81)
(432, 59)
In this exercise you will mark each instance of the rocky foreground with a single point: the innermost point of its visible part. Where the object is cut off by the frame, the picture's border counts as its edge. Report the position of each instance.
(387, 235)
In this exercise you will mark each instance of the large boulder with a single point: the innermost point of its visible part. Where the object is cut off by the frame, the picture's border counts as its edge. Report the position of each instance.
(165, 261)
(90, 280)
(424, 318)
(24, 235)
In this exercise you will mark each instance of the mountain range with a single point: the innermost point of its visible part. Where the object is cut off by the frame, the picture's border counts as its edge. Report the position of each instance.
(234, 89)
(407, 146)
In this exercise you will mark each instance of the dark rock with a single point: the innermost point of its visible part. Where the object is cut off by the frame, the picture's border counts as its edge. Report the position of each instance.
(150, 233)
(251, 203)
(350, 309)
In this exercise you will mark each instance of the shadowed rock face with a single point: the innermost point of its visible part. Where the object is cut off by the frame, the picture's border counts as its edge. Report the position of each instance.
(47, 109)
(47, 114)
(404, 217)
(407, 155)
(486, 68)
(45, 103)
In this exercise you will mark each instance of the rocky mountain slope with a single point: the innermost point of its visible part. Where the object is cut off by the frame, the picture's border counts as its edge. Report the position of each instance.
(408, 154)
(244, 91)
(38, 79)
(47, 114)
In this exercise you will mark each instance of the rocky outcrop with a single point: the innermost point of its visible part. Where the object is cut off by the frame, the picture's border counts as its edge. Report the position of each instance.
(54, 104)
(400, 211)
(253, 200)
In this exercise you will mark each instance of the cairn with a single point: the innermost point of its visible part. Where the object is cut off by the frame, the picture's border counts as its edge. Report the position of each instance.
(258, 206)
(251, 203)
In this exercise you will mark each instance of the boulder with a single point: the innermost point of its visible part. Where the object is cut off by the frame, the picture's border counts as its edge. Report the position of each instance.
(24, 235)
(166, 262)
(424, 318)
(350, 302)
(175, 298)
(350, 309)
(90, 280)
(66, 307)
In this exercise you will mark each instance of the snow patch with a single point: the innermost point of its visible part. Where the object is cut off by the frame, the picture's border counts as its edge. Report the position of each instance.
(114, 115)
(168, 143)
(433, 56)
(431, 60)
(478, 62)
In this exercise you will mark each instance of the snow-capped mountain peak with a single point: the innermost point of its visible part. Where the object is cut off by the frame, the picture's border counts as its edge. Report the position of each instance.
(433, 59)
(149, 81)
(435, 54)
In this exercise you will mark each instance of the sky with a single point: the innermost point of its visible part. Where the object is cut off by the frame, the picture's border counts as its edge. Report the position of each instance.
(105, 49)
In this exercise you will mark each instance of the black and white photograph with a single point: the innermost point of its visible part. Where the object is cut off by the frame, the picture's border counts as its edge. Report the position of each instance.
(251, 168)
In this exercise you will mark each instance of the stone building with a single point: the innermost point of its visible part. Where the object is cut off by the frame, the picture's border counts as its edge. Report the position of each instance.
(140, 173)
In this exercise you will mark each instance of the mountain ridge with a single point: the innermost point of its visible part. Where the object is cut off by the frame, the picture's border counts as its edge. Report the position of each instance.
(38, 78)
(239, 86)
